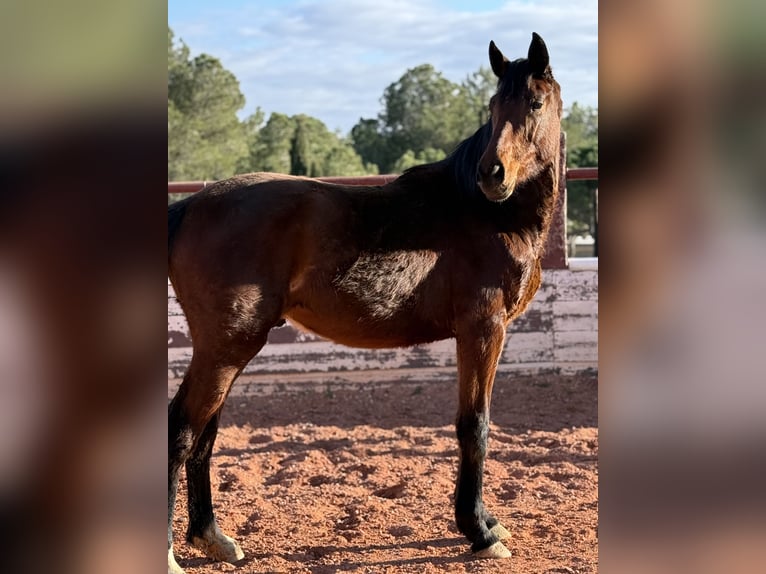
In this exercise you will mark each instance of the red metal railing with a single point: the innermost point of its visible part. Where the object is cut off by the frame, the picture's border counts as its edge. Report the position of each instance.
(572, 173)
(581, 173)
(194, 186)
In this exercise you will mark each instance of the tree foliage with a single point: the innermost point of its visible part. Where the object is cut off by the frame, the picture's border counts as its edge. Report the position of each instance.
(370, 143)
(205, 137)
(411, 159)
(581, 127)
(300, 145)
(207, 140)
(477, 89)
(423, 111)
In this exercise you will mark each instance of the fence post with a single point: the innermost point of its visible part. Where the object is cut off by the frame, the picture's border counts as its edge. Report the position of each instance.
(556, 248)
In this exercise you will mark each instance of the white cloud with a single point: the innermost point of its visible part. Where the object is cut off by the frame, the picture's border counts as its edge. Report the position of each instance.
(332, 59)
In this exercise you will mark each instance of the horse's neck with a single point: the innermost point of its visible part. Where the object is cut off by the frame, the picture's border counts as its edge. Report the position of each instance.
(428, 176)
(525, 217)
(528, 213)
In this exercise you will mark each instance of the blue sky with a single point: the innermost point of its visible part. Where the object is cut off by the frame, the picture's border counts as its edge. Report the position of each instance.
(332, 59)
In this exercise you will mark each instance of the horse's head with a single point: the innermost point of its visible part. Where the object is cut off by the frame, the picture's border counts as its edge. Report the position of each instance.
(525, 117)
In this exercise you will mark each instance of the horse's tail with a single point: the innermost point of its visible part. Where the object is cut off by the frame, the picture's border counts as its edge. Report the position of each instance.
(176, 212)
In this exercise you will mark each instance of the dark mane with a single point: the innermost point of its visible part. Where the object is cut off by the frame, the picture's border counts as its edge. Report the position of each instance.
(463, 161)
(460, 165)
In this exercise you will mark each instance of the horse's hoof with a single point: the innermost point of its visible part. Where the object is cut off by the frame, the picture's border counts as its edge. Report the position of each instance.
(173, 567)
(497, 550)
(500, 531)
(216, 545)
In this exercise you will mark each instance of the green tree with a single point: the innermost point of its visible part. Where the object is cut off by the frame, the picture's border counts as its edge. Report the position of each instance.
(477, 89)
(581, 127)
(301, 145)
(411, 159)
(270, 146)
(370, 143)
(179, 71)
(422, 109)
(301, 160)
(206, 140)
(581, 194)
(252, 125)
(183, 143)
(341, 159)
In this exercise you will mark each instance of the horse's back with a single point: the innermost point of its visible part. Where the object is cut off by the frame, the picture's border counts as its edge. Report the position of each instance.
(242, 238)
(236, 218)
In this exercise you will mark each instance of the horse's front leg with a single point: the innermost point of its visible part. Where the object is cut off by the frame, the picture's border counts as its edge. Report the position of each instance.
(478, 350)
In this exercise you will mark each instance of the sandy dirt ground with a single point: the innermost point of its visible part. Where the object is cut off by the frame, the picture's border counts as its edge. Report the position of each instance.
(361, 479)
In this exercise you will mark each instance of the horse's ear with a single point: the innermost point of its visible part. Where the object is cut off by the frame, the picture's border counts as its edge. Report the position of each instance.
(538, 55)
(497, 60)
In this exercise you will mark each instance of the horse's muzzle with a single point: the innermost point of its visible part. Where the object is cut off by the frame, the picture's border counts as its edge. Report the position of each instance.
(495, 181)
(498, 192)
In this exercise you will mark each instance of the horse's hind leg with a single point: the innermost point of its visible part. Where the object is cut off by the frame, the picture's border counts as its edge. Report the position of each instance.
(192, 427)
(203, 531)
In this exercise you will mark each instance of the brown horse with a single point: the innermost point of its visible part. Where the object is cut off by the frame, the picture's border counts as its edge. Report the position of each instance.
(449, 249)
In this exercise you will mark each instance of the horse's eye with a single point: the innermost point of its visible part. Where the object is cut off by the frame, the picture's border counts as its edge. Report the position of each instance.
(536, 105)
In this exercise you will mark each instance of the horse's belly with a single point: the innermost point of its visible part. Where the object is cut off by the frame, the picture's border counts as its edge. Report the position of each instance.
(361, 332)
(391, 300)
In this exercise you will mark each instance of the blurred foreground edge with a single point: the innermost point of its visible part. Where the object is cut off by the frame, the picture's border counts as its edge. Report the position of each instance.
(81, 266)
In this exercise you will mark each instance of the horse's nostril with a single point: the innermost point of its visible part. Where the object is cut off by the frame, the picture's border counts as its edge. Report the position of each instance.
(496, 172)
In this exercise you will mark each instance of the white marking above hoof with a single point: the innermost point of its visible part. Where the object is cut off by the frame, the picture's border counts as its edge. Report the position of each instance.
(500, 531)
(173, 567)
(216, 545)
(497, 550)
